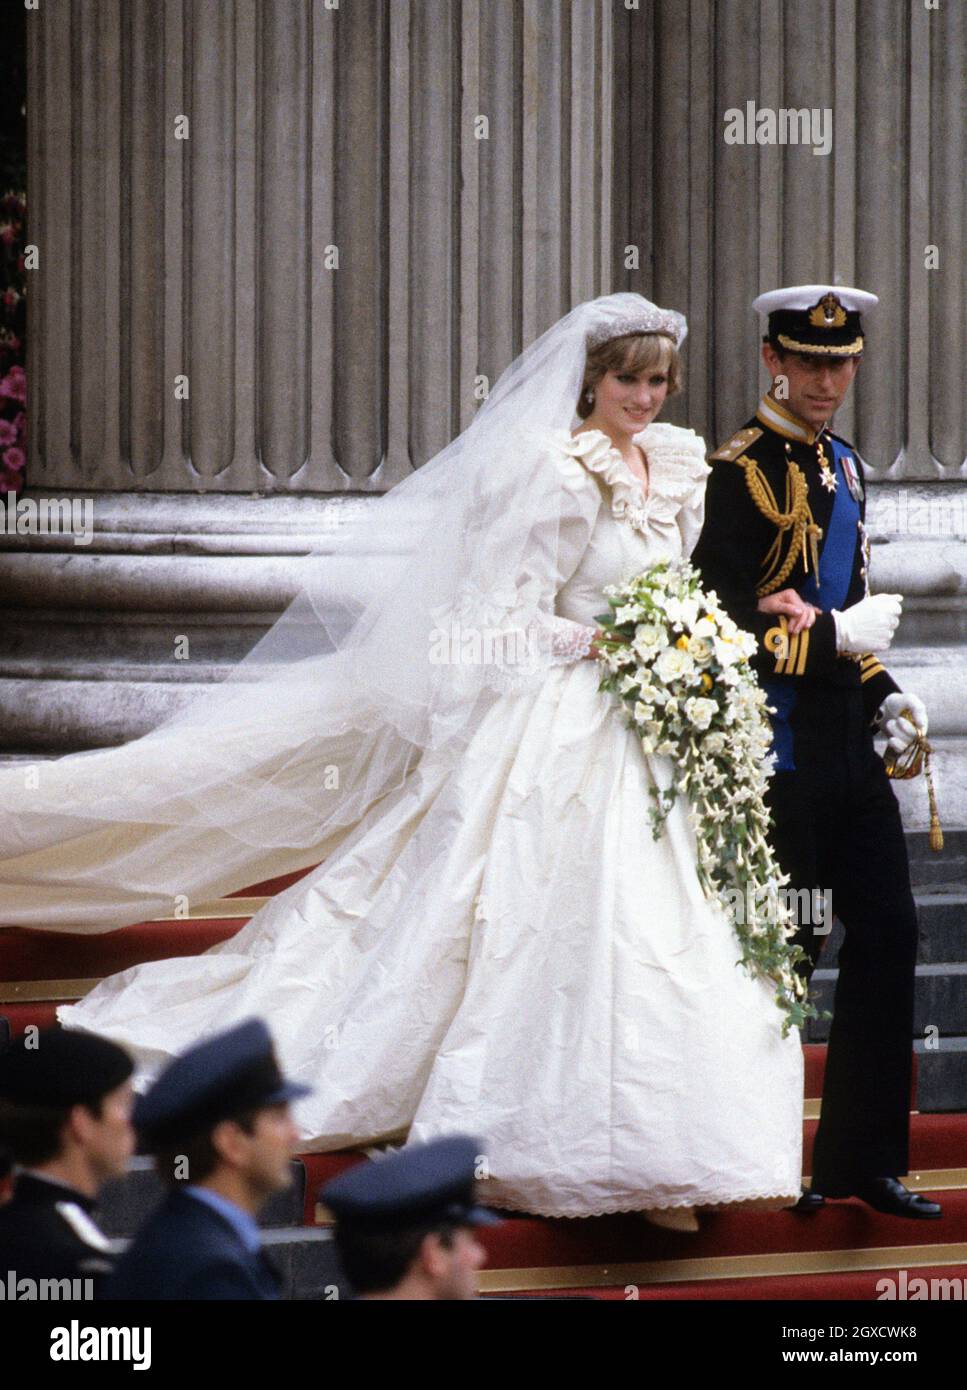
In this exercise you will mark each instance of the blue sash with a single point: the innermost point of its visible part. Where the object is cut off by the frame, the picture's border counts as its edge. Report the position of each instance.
(839, 544)
(827, 591)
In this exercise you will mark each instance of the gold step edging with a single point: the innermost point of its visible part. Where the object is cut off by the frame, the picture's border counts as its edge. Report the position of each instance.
(44, 991)
(883, 1258)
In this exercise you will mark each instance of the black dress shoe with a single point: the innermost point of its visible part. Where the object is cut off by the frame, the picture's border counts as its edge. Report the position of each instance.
(809, 1201)
(890, 1196)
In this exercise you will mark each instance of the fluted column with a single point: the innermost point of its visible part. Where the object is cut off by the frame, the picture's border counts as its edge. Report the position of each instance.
(286, 246)
(714, 224)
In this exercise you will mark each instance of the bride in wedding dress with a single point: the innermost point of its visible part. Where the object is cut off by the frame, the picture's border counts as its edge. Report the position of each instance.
(493, 942)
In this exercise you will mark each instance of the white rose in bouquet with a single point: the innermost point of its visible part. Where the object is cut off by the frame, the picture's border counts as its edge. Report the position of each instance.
(648, 639)
(701, 650)
(673, 664)
(700, 711)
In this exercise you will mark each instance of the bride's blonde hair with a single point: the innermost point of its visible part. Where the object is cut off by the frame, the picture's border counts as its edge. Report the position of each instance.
(634, 352)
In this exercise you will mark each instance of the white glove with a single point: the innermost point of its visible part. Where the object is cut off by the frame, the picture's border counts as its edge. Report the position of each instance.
(868, 626)
(901, 732)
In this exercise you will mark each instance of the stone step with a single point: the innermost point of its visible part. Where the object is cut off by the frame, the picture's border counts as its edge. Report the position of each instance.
(941, 1074)
(67, 716)
(943, 929)
(46, 642)
(306, 1258)
(955, 843)
(940, 1000)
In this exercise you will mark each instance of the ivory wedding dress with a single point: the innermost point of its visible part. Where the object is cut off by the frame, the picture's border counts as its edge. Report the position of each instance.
(500, 947)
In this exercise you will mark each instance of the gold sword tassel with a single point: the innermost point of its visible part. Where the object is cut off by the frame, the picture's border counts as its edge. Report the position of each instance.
(914, 759)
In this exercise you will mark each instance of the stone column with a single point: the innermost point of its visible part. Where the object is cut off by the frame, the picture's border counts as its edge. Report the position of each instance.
(715, 224)
(324, 223)
(335, 223)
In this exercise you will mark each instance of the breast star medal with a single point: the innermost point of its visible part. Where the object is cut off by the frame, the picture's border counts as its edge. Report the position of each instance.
(826, 475)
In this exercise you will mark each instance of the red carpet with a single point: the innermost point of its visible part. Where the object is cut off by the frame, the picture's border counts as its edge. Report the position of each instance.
(31, 955)
(808, 1257)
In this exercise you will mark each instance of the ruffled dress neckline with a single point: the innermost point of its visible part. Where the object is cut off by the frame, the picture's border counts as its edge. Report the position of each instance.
(676, 469)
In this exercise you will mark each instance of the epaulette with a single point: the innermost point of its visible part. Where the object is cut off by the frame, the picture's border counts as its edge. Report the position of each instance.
(736, 444)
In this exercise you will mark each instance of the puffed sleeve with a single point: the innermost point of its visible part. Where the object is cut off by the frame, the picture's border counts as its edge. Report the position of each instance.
(527, 534)
(677, 476)
(561, 553)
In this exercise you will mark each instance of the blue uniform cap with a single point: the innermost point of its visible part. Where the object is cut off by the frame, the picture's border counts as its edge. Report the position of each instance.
(219, 1078)
(424, 1184)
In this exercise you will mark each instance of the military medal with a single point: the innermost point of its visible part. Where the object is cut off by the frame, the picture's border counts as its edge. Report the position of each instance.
(826, 475)
(853, 481)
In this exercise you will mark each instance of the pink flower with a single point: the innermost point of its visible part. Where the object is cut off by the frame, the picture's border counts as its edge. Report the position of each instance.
(8, 233)
(8, 433)
(14, 385)
(14, 460)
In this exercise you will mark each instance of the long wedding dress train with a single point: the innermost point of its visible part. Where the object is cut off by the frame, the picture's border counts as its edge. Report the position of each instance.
(499, 945)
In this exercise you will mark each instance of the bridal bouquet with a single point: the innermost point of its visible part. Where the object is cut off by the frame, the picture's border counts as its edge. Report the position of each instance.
(680, 667)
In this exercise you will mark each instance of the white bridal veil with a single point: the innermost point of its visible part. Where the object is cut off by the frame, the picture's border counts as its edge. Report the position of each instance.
(267, 771)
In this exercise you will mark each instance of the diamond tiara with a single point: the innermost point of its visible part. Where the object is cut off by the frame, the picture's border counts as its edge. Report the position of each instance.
(647, 320)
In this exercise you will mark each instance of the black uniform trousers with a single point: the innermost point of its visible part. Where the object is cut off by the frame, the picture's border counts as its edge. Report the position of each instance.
(838, 828)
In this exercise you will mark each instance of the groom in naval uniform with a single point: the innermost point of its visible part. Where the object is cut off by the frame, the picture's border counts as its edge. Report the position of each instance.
(784, 543)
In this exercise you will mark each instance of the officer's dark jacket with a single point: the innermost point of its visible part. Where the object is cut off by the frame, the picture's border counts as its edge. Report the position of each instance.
(743, 551)
(47, 1231)
(186, 1250)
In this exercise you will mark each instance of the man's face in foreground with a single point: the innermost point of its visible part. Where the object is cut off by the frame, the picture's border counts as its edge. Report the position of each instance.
(816, 385)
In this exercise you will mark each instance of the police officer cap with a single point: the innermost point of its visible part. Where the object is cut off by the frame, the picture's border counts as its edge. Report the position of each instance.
(822, 320)
(422, 1185)
(217, 1079)
(59, 1068)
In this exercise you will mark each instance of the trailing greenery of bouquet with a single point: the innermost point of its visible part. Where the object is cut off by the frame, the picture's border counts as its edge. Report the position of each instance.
(680, 667)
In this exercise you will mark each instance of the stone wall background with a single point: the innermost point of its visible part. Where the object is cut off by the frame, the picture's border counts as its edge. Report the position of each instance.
(358, 128)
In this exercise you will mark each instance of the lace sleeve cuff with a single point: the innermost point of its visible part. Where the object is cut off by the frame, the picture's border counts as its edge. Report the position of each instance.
(570, 641)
